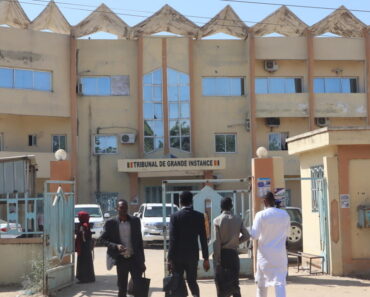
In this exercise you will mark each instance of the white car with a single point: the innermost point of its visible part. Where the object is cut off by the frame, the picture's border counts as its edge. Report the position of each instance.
(151, 215)
(9, 230)
(96, 218)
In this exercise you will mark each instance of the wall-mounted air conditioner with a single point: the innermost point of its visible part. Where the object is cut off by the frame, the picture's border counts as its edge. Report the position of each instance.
(322, 122)
(128, 138)
(271, 65)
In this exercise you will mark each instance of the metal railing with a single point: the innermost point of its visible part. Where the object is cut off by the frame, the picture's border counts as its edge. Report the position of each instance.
(21, 216)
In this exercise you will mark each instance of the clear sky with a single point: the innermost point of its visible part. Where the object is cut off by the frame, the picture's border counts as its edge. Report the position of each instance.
(133, 12)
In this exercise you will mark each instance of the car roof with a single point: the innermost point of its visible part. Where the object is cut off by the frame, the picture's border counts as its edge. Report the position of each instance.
(86, 205)
(158, 204)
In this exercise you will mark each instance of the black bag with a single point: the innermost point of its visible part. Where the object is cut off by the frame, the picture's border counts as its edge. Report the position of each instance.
(141, 289)
(174, 286)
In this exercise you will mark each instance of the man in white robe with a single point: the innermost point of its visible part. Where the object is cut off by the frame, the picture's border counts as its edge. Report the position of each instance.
(271, 228)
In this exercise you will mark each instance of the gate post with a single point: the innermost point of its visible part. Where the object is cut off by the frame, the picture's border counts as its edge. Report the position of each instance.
(267, 175)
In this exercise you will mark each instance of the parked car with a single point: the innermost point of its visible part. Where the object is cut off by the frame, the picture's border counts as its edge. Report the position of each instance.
(9, 230)
(96, 218)
(295, 237)
(151, 215)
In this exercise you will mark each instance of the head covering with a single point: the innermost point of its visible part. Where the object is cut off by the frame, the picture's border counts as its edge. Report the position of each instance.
(84, 233)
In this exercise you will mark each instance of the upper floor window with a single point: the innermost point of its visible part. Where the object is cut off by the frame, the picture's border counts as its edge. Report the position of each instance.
(277, 141)
(335, 85)
(59, 142)
(25, 79)
(179, 109)
(105, 144)
(278, 85)
(32, 140)
(223, 86)
(153, 111)
(225, 143)
(105, 86)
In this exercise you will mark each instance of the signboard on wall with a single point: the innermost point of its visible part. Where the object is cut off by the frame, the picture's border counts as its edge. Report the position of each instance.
(263, 186)
(147, 165)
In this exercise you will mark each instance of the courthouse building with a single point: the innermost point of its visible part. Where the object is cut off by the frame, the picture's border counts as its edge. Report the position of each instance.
(143, 108)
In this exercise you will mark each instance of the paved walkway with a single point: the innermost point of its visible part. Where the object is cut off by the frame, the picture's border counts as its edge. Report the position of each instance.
(299, 285)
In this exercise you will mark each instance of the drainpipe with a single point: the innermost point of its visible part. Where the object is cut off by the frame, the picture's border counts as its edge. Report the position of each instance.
(98, 166)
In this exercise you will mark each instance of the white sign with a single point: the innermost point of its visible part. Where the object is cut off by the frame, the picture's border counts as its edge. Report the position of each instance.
(263, 186)
(145, 165)
(344, 201)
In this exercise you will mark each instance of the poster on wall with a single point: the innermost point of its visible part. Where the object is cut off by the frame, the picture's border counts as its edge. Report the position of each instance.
(344, 200)
(263, 186)
(280, 196)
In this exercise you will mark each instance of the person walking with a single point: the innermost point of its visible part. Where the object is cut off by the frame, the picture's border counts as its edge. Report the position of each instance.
(84, 245)
(122, 236)
(230, 233)
(186, 226)
(271, 228)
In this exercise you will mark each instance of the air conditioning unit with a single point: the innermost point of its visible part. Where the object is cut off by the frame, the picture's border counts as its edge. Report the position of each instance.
(322, 122)
(271, 65)
(128, 138)
(272, 122)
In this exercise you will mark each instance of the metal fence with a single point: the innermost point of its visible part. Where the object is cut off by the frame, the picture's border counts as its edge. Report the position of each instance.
(21, 216)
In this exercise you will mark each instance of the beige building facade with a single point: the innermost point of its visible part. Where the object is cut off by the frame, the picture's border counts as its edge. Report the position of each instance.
(174, 97)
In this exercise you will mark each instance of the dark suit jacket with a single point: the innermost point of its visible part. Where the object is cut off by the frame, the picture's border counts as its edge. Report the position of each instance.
(111, 238)
(186, 226)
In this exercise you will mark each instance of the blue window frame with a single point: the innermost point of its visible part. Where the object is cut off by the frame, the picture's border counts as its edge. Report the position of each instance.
(223, 86)
(25, 79)
(278, 85)
(335, 85)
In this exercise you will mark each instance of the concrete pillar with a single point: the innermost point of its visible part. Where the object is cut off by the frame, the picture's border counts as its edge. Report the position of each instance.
(61, 171)
(134, 192)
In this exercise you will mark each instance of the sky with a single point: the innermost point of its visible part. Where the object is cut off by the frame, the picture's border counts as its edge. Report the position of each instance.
(133, 12)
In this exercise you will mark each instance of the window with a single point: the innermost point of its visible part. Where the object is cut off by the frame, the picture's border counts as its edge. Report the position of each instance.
(153, 111)
(277, 141)
(179, 109)
(25, 79)
(32, 140)
(335, 85)
(105, 86)
(225, 143)
(105, 144)
(317, 186)
(278, 85)
(223, 86)
(59, 142)
(153, 194)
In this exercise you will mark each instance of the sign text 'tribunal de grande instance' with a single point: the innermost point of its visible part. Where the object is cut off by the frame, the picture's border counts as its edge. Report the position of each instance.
(140, 165)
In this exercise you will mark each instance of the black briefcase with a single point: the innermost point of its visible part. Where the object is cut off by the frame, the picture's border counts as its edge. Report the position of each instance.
(141, 289)
(174, 286)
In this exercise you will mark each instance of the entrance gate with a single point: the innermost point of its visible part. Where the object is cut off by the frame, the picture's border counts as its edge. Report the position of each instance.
(319, 192)
(207, 201)
(58, 247)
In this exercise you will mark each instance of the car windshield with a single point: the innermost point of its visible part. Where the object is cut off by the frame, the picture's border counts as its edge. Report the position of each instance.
(94, 212)
(3, 222)
(156, 211)
(295, 215)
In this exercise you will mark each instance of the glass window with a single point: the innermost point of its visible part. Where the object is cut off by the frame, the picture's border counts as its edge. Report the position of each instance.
(335, 85)
(225, 143)
(278, 85)
(105, 144)
(59, 142)
(6, 78)
(223, 86)
(179, 109)
(42, 80)
(96, 86)
(317, 186)
(277, 141)
(23, 79)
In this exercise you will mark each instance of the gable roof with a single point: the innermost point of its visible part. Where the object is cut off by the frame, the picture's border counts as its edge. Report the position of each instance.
(166, 19)
(282, 21)
(12, 14)
(340, 22)
(102, 19)
(51, 18)
(226, 21)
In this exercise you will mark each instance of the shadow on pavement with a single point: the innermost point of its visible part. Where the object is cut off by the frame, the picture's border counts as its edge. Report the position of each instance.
(105, 285)
(324, 281)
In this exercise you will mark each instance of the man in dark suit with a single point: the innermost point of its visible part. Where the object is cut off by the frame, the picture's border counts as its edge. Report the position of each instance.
(185, 227)
(122, 236)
